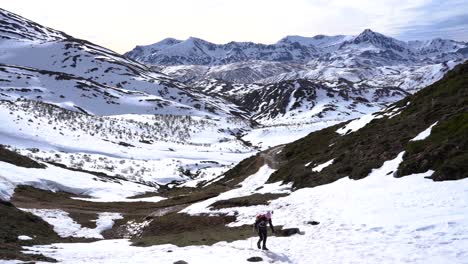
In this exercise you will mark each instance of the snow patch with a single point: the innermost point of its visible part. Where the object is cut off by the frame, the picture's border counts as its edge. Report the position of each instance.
(248, 187)
(322, 166)
(356, 124)
(423, 135)
(153, 199)
(65, 226)
(24, 237)
(57, 179)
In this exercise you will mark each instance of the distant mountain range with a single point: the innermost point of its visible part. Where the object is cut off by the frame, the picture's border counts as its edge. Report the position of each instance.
(381, 49)
(369, 57)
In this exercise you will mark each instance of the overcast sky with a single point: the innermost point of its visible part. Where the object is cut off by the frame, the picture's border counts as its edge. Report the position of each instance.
(122, 24)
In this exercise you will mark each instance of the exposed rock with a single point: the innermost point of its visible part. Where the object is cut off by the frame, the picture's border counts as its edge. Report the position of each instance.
(290, 231)
(255, 259)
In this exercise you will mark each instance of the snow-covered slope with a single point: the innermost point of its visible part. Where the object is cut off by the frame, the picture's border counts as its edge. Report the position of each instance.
(152, 149)
(82, 66)
(376, 220)
(15, 27)
(69, 102)
(76, 93)
(304, 100)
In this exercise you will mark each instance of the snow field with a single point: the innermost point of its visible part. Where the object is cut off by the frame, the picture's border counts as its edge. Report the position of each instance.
(362, 121)
(65, 226)
(57, 179)
(120, 251)
(271, 136)
(178, 144)
(379, 219)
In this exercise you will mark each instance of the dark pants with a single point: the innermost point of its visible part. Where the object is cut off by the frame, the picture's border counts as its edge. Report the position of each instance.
(262, 233)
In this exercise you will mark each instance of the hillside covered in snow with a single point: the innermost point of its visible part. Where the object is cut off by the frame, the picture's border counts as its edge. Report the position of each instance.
(358, 144)
(396, 177)
(76, 74)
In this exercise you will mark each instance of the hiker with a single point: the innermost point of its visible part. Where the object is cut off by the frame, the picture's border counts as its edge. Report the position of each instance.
(260, 226)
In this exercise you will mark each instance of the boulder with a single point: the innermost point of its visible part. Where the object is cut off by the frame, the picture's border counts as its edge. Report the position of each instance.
(290, 231)
(255, 259)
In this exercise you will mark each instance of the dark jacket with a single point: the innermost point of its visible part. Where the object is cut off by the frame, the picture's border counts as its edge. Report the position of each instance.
(261, 223)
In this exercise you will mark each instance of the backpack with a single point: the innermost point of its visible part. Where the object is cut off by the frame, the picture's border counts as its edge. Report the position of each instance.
(261, 220)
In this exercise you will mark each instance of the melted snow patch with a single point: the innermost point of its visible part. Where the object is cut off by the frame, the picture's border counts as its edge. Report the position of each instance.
(423, 135)
(361, 122)
(322, 166)
(7, 188)
(65, 226)
(55, 178)
(388, 167)
(356, 124)
(249, 186)
(135, 228)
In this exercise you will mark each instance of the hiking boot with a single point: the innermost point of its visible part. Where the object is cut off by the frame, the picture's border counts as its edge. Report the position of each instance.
(264, 248)
(258, 245)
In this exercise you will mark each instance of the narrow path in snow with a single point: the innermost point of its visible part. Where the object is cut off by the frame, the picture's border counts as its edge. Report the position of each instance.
(270, 156)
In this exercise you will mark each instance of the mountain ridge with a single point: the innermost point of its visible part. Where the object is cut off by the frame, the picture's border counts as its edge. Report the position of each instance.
(289, 48)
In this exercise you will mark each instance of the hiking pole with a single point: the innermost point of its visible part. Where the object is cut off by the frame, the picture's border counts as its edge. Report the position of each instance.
(253, 230)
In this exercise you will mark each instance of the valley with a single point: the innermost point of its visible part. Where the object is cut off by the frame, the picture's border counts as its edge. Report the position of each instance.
(167, 153)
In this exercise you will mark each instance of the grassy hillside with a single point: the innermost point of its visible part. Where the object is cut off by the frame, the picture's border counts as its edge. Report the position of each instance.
(356, 154)
(14, 223)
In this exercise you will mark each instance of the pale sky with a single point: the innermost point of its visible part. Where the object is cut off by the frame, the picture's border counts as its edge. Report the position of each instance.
(122, 24)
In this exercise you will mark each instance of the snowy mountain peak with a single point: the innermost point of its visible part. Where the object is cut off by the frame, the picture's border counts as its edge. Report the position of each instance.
(167, 42)
(369, 36)
(170, 41)
(198, 40)
(318, 41)
(377, 40)
(368, 31)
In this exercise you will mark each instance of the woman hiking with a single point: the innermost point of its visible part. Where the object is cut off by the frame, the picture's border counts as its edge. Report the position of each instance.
(260, 226)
